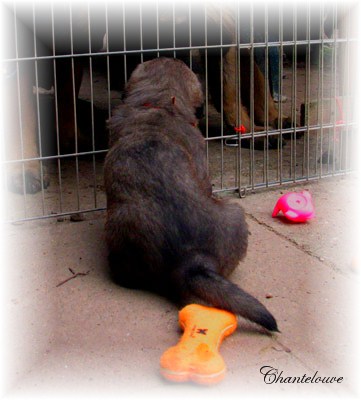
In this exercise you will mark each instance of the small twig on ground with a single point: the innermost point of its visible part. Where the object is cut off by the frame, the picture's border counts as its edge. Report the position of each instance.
(72, 277)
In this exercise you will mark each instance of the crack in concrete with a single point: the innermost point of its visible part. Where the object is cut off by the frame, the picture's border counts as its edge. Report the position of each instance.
(299, 246)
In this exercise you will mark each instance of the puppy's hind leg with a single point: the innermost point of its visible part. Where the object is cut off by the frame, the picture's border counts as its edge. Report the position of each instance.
(230, 93)
(232, 115)
(69, 76)
(21, 132)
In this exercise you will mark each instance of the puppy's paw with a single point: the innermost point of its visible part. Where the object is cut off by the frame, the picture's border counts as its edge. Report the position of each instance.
(29, 180)
(274, 142)
(284, 123)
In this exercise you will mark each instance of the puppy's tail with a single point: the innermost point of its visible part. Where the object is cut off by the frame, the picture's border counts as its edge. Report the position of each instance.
(208, 285)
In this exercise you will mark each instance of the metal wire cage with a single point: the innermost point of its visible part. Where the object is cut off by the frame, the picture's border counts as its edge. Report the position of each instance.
(64, 67)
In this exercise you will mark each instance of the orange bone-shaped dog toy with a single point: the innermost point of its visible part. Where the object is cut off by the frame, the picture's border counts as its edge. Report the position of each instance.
(196, 355)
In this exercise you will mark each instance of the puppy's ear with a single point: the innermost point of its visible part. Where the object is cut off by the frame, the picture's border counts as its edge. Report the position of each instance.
(194, 89)
(173, 100)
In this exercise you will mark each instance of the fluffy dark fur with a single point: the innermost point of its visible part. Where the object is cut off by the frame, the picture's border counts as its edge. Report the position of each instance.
(165, 231)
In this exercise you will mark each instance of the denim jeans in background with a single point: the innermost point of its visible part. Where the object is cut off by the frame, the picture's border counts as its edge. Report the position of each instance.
(273, 66)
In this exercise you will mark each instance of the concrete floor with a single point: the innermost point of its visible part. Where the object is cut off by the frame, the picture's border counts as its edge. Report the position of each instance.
(90, 338)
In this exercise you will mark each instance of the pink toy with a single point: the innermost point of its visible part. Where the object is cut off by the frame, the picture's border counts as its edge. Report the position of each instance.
(297, 207)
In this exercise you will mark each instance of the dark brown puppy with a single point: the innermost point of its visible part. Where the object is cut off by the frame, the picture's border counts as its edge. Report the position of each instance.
(165, 231)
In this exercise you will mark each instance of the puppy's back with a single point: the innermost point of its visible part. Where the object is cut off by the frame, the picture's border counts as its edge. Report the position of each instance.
(165, 230)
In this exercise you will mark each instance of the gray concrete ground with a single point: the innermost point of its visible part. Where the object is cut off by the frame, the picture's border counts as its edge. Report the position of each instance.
(90, 338)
